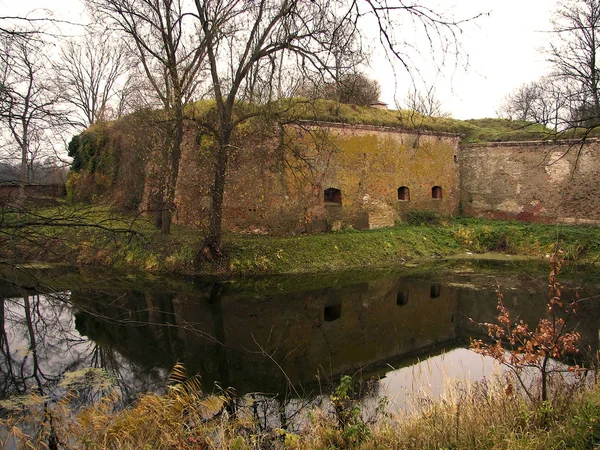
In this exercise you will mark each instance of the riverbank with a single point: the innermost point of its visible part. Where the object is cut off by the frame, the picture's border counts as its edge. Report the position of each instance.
(185, 418)
(95, 236)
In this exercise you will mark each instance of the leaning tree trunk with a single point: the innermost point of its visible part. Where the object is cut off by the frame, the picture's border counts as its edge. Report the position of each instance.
(168, 205)
(22, 175)
(212, 244)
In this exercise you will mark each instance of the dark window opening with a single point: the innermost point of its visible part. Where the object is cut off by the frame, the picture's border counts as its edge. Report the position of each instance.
(332, 312)
(455, 159)
(402, 298)
(436, 192)
(435, 291)
(404, 194)
(332, 195)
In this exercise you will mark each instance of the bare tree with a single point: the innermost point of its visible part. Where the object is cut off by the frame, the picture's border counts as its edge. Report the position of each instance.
(30, 107)
(242, 37)
(520, 103)
(575, 54)
(550, 101)
(425, 103)
(90, 73)
(354, 88)
(358, 89)
(170, 51)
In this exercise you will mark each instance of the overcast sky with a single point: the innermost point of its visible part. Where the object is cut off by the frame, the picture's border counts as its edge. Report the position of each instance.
(504, 50)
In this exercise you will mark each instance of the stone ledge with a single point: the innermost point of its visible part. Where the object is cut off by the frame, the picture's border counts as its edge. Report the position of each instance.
(548, 143)
(367, 127)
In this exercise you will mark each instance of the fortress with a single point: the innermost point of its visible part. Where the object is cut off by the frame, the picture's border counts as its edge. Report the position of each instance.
(327, 176)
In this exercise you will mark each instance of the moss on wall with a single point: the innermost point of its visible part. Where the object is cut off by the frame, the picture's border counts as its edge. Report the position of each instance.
(276, 177)
(533, 182)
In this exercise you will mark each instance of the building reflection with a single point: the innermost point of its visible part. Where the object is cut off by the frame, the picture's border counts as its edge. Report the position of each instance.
(255, 338)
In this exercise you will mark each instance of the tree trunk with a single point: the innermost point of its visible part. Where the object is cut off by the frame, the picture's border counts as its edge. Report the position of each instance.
(22, 175)
(212, 244)
(168, 205)
(545, 379)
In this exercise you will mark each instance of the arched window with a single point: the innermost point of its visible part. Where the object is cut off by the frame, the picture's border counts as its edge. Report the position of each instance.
(435, 291)
(436, 192)
(332, 195)
(404, 194)
(332, 312)
(402, 298)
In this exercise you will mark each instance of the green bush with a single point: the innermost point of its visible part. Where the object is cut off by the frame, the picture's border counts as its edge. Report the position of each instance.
(422, 218)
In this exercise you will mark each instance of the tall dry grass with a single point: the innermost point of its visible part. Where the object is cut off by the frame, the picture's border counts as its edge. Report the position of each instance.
(489, 414)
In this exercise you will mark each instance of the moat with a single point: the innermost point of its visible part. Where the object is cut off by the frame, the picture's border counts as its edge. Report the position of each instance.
(288, 337)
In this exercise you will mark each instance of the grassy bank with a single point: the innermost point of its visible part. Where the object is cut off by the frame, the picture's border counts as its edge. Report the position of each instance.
(482, 415)
(102, 237)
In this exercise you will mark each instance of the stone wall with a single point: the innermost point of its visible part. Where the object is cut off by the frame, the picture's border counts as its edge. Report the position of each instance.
(11, 191)
(532, 181)
(281, 189)
(302, 178)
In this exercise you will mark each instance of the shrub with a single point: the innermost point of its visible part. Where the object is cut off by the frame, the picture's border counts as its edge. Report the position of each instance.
(420, 218)
(538, 350)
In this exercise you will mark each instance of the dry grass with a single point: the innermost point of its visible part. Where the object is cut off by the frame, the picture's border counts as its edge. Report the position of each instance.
(483, 415)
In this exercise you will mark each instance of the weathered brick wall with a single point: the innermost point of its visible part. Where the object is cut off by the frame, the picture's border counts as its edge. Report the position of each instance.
(275, 182)
(274, 189)
(33, 191)
(532, 181)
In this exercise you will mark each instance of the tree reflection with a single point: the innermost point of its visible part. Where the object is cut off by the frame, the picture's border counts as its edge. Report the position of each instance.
(40, 345)
(37, 344)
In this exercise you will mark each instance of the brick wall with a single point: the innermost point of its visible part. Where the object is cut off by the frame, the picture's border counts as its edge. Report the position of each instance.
(532, 181)
(278, 190)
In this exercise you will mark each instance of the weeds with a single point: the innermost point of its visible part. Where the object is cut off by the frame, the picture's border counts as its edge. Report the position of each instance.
(419, 218)
(484, 415)
(348, 414)
(537, 356)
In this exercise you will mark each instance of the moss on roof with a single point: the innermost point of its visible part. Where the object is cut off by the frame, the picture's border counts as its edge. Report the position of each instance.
(472, 131)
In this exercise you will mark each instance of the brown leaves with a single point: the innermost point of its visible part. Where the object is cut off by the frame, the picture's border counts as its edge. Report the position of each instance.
(515, 344)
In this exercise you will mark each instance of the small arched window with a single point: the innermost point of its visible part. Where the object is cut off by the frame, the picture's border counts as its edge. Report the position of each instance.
(436, 192)
(435, 291)
(332, 195)
(404, 194)
(332, 312)
(402, 298)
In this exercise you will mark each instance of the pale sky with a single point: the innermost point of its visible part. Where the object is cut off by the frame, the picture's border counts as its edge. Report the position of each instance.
(504, 50)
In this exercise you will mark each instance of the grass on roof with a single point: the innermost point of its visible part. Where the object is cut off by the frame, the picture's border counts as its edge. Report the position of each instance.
(472, 131)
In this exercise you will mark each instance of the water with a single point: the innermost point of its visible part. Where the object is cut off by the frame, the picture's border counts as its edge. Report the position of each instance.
(272, 338)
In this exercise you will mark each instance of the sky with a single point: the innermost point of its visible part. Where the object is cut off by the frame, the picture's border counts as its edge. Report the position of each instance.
(504, 49)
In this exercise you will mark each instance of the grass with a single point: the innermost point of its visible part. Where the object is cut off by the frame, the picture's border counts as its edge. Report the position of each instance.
(403, 243)
(491, 414)
(99, 236)
(299, 109)
(473, 131)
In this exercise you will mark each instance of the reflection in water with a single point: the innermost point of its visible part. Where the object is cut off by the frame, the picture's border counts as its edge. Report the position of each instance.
(263, 342)
(435, 290)
(428, 379)
(37, 344)
(279, 340)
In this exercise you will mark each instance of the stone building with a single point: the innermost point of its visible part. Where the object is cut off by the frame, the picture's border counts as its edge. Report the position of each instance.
(331, 176)
(543, 181)
(328, 176)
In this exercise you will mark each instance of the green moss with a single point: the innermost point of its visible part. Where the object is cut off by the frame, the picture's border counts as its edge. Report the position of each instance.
(472, 131)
